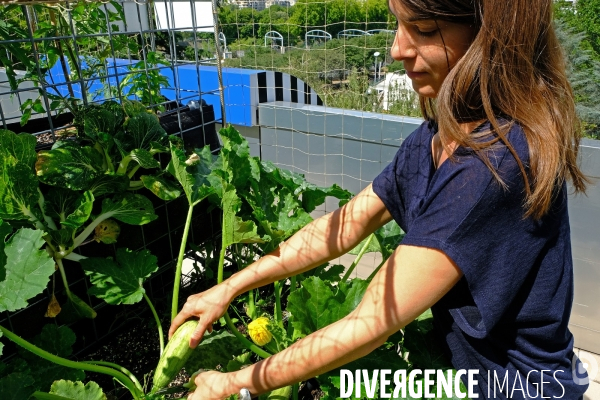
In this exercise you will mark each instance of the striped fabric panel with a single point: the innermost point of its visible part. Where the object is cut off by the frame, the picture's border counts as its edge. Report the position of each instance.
(279, 86)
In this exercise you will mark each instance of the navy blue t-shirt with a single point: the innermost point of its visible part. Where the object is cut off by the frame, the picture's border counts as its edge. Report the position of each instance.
(508, 314)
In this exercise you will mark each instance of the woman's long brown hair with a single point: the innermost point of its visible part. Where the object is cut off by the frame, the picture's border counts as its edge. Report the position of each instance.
(514, 69)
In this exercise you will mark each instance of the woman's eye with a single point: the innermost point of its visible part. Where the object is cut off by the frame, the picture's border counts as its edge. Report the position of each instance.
(425, 32)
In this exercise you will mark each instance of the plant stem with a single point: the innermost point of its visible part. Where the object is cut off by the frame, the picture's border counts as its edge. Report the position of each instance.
(109, 163)
(177, 284)
(278, 311)
(362, 251)
(122, 170)
(133, 171)
(290, 328)
(27, 212)
(244, 340)
(376, 270)
(295, 388)
(118, 368)
(74, 257)
(221, 262)
(63, 275)
(90, 228)
(121, 377)
(158, 324)
(48, 396)
(135, 185)
(251, 305)
(48, 220)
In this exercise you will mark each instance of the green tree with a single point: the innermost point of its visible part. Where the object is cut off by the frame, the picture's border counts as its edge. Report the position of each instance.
(584, 16)
(377, 15)
(584, 74)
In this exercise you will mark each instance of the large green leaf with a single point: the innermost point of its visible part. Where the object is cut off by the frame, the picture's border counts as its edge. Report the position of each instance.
(58, 341)
(283, 393)
(281, 201)
(70, 166)
(82, 211)
(326, 272)
(107, 118)
(163, 188)
(192, 173)
(16, 365)
(17, 386)
(19, 147)
(109, 183)
(387, 239)
(133, 209)
(18, 184)
(140, 131)
(234, 229)
(121, 281)
(144, 158)
(315, 196)
(75, 309)
(62, 239)
(235, 154)
(420, 343)
(133, 108)
(216, 348)
(316, 304)
(5, 230)
(77, 390)
(291, 215)
(28, 269)
(59, 203)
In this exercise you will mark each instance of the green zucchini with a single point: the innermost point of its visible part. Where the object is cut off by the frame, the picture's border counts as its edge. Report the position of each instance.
(174, 357)
(283, 393)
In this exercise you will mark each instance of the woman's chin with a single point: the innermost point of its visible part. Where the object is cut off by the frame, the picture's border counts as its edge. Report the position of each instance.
(424, 90)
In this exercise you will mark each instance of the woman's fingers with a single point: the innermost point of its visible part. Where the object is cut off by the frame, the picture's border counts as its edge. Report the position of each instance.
(198, 333)
(178, 320)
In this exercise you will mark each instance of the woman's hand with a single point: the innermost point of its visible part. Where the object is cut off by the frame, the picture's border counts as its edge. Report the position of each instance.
(207, 306)
(211, 385)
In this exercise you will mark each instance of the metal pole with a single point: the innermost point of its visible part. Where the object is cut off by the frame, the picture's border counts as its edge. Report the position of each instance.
(215, 8)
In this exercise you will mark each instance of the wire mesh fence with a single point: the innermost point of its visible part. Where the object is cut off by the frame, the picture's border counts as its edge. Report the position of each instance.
(341, 49)
(59, 57)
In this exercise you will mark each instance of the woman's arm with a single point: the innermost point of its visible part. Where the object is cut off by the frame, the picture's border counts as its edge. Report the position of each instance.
(411, 281)
(323, 239)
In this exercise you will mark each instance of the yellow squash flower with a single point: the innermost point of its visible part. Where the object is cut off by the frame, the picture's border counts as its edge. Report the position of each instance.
(259, 331)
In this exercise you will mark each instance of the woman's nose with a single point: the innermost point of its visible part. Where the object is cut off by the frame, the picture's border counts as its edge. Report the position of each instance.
(403, 48)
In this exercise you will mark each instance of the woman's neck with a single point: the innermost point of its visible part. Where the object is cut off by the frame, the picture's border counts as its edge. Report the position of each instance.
(439, 153)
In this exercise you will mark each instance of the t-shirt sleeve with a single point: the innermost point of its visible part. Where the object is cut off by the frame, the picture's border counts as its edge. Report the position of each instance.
(387, 186)
(478, 224)
(390, 185)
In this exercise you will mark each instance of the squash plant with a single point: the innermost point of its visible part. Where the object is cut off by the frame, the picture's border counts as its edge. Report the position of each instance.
(51, 194)
(261, 206)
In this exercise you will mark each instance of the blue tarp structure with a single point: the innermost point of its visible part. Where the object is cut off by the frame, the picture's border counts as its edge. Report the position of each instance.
(244, 89)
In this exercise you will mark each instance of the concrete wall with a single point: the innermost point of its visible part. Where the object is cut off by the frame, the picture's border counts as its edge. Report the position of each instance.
(585, 233)
(350, 148)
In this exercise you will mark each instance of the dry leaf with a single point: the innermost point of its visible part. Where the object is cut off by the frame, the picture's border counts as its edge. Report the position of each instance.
(53, 308)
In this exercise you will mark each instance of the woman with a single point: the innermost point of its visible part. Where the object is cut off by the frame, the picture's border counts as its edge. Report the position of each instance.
(479, 189)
